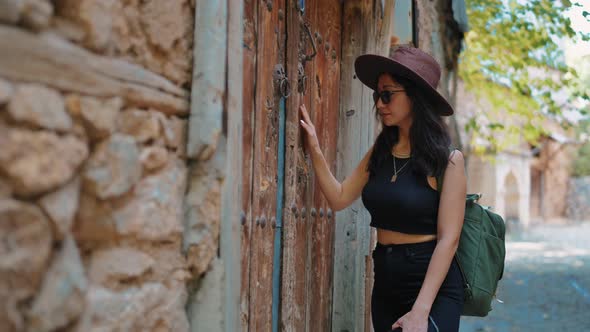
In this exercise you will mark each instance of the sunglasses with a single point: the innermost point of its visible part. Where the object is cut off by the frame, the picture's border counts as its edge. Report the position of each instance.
(384, 95)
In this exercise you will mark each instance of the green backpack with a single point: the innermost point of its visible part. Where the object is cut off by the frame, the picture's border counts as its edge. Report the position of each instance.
(480, 255)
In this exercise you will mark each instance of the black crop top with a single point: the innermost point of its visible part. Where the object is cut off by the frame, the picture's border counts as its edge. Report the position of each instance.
(408, 205)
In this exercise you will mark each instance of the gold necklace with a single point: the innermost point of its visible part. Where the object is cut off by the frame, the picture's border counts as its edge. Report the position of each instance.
(396, 171)
(401, 156)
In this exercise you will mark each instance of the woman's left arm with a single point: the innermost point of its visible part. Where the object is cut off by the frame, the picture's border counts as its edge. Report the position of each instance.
(450, 221)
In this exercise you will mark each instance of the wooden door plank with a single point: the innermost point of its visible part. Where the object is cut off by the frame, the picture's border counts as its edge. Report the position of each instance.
(293, 310)
(270, 37)
(349, 263)
(380, 27)
(248, 100)
(312, 210)
(366, 29)
(364, 285)
(230, 232)
(326, 24)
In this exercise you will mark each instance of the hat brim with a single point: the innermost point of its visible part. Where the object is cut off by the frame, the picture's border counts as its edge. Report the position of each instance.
(368, 67)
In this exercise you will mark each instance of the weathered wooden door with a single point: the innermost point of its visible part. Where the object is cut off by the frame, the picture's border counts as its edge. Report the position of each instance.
(264, 46)
(291, 55)
(309, 228)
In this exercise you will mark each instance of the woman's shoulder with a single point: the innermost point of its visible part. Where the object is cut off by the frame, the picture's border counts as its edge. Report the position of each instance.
(456, 161)
(455, 155)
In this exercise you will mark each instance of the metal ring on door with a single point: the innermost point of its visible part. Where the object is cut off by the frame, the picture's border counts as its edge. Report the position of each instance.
(285, 87)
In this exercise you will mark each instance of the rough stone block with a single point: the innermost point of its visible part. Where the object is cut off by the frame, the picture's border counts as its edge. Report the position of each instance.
(98, 116)
(38, 161)
(62, 296)
(150, 307)
(40, 107)
(202, 219)
(26, 240)
(144, 125)
(61, 206)
(151, 212)
(114, 167)
(153, 157)
(112, 266)
(6, 91)
(155, 34)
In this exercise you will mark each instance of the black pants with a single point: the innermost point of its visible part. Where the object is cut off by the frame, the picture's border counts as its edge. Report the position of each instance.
(399, 274)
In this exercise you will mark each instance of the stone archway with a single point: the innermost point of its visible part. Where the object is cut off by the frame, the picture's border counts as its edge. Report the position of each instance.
(511, 201)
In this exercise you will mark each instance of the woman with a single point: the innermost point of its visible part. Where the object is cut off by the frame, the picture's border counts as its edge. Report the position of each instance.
(418, 286)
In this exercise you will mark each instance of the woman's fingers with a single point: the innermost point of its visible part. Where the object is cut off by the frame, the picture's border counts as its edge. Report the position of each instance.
(305, 114)
(304, 125)
(306, 121)
(311, 138)
(308, 129)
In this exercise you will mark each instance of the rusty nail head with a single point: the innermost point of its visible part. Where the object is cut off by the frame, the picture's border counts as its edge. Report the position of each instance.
(257, 221)
(303, 211)
(329, 213)
(263, 222)
(273, 222)
(321, 212)
(313, 212)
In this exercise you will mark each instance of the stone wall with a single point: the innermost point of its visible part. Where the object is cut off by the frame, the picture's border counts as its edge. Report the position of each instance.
(578, 198)
(93, 106)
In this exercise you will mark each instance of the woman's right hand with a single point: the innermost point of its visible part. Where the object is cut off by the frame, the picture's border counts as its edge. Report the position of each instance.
(311, 139)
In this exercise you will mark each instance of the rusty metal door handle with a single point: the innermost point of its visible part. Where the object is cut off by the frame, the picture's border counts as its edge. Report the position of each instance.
(308, 57)
(280, 77)
(301, 78)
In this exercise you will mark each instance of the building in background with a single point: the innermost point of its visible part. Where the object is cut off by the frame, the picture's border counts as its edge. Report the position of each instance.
(526, 184)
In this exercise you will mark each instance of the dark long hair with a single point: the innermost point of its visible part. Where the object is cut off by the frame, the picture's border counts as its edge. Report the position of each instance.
(429, 136)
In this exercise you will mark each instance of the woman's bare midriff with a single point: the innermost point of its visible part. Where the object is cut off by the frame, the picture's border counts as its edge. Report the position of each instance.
(385, 236)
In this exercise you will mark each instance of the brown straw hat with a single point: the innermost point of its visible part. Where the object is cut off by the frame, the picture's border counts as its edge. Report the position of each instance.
(408, 62)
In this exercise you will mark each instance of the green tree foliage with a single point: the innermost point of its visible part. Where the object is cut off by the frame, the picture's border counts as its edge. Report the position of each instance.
(513, 60)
